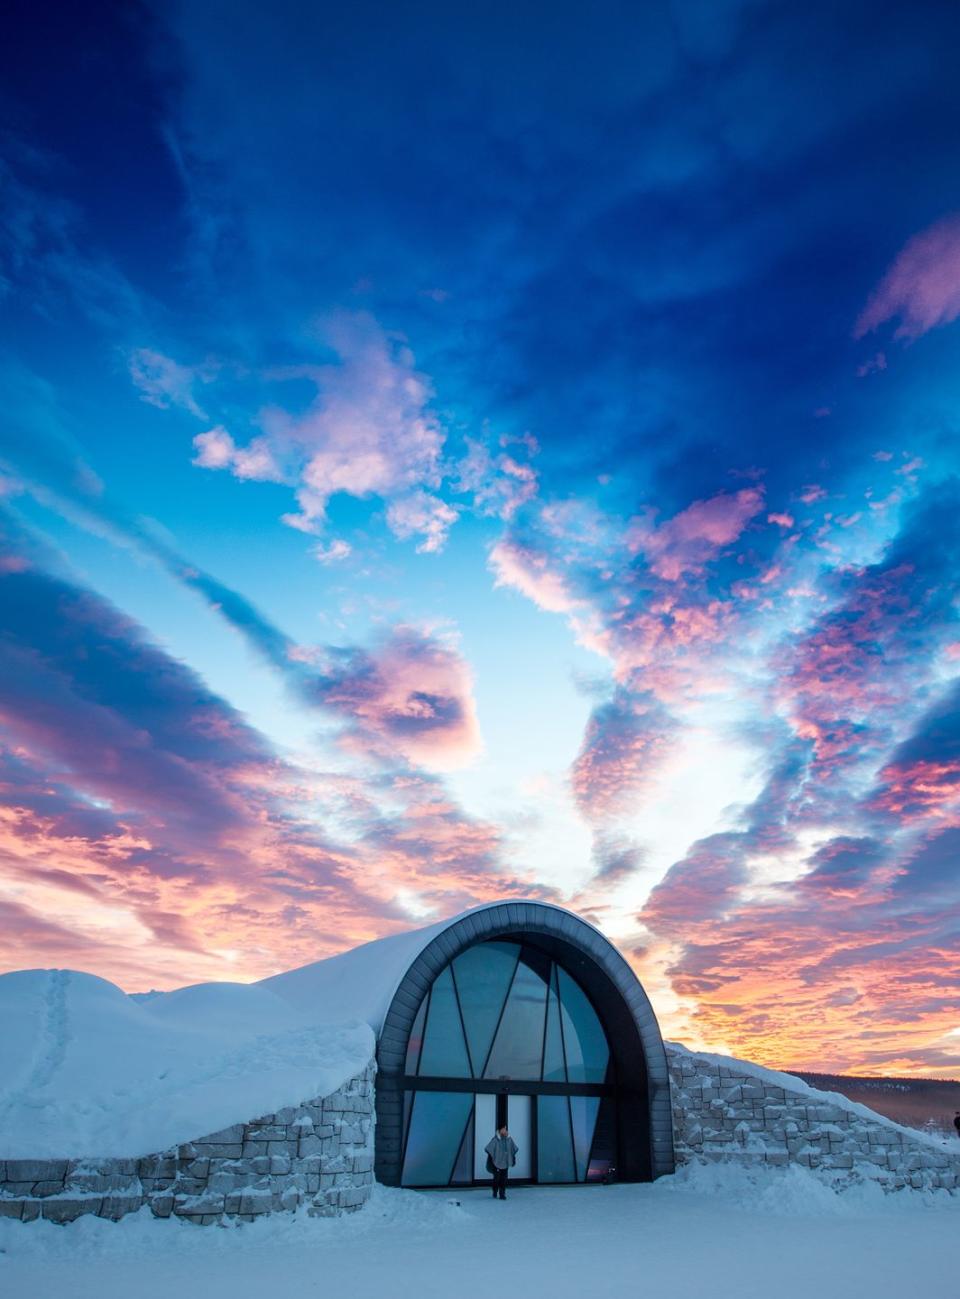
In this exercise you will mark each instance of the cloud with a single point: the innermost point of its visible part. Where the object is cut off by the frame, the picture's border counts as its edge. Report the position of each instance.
(843, 965)
(922, 287)
(499, 484)
(846, 682)
(625, 741)
(216, 449)
(84, 689)
(337, 550)
(411, 691)
(171, 815)
(705, 885)
(531, 571)
(684, 544)
(421, 515)
(921, 779)
(164, 382)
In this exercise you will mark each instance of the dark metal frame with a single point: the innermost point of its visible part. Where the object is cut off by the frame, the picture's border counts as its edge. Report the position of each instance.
(640, 1079)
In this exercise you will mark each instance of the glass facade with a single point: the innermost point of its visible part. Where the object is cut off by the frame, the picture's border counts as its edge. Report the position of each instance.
(505, 1017)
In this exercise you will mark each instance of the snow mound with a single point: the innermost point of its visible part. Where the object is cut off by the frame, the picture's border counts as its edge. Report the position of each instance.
(93, 1072)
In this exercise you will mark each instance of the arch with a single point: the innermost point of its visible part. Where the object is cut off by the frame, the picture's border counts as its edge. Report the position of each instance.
(643, 1085)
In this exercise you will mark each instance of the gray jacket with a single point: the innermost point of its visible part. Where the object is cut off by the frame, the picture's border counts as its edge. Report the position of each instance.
(502, 1150)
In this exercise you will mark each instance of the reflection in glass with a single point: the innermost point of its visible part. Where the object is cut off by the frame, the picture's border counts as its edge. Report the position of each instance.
(554, 1152)
(463, 1168)
(583, 1113)
(584, 1040)
(518, 1046)
(553, 1066)
(435, 1137)
(444, 1053)
(603, 1155)
(483, 976)
(415, 1042)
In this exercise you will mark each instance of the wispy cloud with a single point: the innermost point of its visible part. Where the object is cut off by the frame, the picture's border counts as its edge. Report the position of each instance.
(921, 288)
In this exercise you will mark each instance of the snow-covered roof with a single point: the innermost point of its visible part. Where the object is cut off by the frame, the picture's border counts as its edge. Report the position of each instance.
(90, 1070)
(360, 983)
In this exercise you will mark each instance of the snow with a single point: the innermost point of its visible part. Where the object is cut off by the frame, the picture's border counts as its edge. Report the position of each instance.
(722, 1231)
(95, 1072)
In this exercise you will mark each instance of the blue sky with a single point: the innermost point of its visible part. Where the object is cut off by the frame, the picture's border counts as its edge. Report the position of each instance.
(456, 455)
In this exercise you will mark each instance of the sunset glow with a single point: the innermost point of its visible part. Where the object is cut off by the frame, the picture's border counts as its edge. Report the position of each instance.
(426, 480)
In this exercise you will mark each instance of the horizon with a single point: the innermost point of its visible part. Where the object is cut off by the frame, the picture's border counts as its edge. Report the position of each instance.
(456, 456)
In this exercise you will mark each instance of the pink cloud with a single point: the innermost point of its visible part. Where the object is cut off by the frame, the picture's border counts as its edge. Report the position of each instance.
(369, 431)
(531, 572)
(922, 287)
(625, 742)
(413, 693)
(216, 449)
(421, 515)
(685, 543)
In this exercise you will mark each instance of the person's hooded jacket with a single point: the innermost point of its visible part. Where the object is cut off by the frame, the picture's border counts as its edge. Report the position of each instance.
(502, 1151)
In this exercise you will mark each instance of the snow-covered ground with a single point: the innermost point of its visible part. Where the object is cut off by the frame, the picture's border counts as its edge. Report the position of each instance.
(721, 1231)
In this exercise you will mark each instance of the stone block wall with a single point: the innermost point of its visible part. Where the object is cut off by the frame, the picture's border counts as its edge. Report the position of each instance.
(318, 1154)
(727, 1115)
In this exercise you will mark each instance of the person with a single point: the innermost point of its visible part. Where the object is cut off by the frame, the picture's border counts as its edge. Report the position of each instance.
(956, 1122)
(502, 1153)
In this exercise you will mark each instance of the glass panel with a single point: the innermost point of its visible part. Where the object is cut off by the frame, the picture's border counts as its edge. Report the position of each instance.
(407, 1107)
(554, 1153)
(553, 1067)
(415, 1041)
(584, 1040)
(444, 1052)
(604, 1153)
(436, 1131)
(483, 975)
(583, 1112)
(463, 1169)
(518, 1047)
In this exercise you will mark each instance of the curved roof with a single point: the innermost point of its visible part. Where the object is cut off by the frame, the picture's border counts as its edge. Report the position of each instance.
(360, 984)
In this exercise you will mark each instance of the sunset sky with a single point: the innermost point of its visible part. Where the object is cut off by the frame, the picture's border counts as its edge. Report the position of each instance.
(472, 451)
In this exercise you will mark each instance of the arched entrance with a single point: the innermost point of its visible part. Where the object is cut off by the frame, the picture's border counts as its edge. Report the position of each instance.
(521, 1012)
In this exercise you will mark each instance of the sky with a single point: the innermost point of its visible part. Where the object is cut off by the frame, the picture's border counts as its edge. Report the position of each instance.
(455, 453)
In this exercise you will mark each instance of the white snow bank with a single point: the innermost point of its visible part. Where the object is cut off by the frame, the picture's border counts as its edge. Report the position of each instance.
(791, 1083)
(777, 1233)
(93, 1072)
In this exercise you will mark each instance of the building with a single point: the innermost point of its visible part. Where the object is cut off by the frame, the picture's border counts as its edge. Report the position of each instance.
(524, 1014)
(396, 1059)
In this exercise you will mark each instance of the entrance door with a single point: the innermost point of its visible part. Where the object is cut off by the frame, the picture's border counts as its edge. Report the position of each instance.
(489, 1111)
(521, 1129)
(485, 1123)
